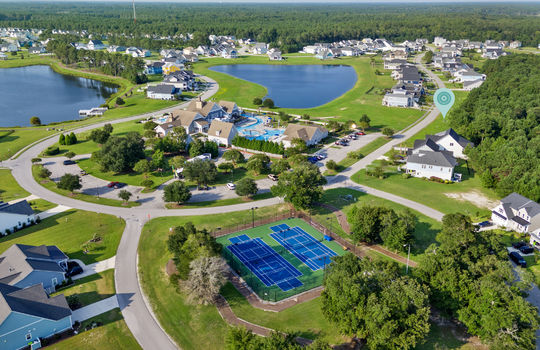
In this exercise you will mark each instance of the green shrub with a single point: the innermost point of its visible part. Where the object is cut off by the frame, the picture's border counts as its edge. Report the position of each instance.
(52, 150)
(405, 175)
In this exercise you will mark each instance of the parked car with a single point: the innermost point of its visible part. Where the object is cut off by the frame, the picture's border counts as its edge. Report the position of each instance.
(526, 249)
(338, 142)
(73, 269)
(120, 185)
(518, 259)
(360, 133)
(231, 186)
(203, 188)
(484, 223)
(519, 244)
(321, 156)
(273, 177)
(112, 184)
(69, 162)
(313, 160)
(82, 172)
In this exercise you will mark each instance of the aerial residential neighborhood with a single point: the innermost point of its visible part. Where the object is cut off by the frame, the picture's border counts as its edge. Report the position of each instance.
(357, 175)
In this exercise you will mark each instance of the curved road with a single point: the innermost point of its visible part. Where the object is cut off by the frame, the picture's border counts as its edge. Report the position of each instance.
(135, 309)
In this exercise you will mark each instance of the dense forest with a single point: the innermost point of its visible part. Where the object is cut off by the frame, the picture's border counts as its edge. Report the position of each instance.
(502, 117)
(289, 26)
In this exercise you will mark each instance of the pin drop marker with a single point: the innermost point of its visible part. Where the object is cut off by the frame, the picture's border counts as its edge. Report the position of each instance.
(444, 99)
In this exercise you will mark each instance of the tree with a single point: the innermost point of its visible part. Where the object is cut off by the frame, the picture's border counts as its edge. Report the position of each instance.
(368, 299)
(150, 125)
(246, 187)
(149, 134)
(119, 154)
(35, 121)
(258, 163)
(279, 166)
(299, 145)
(284, 117)
(203, 172)
(99, 136)
(61, 139)
(206, 278)
(488, 181)
(226, 167)
(268, 103)
(69, 182)
(158, 160)
(143, 166)
(196, 148)
(70, 139)
(147, 183)
(334, 125)
(120, 101)
(257, 101)
(125, 195)
(366, 222)
(108, 128)
(70, 154)
(177, 162)
(428, 57)
(234, 156)
(44, 173)
(177, 192)
(331, 165)
(388, 132)
(302, 186)
(364, 121)
(395, 231)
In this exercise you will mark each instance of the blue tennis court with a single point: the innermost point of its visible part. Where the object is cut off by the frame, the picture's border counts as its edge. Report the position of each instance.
(303, 245)
(270, 267)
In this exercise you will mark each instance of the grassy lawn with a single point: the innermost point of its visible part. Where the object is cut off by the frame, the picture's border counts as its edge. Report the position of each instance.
(349, 161)
(112, 334)
(309, 278)
(468, 196)
(51, 185)
(39, 205)
(9, 188)
(92, 288)
(219, 202)
(365, 97)
(426, 228)
(306, 318)
(133, 178)
(69, 231)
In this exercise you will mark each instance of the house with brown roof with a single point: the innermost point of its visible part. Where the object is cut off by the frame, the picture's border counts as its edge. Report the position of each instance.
(192, 122)
(311, 134)
(222, 133)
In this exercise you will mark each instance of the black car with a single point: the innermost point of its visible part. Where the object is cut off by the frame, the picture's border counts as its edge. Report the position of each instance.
(119, 185)
(518, 259)
(69, 162)
(73, 269)
(526, 249)
(519, 244)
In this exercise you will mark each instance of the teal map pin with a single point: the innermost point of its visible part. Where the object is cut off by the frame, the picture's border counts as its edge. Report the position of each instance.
(444, 99)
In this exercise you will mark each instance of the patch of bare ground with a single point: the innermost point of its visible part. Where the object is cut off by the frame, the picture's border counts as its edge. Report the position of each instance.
(475, 197)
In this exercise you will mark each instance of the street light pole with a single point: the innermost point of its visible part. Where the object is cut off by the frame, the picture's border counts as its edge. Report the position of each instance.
(408, 255)
(253, 216)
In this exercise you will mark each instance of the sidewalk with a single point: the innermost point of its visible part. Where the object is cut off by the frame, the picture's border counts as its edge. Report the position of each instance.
(53, 211)
(95, 267)
(95, 309)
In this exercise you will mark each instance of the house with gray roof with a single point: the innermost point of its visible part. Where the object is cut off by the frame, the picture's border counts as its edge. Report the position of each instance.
(427, 159)
(15, 216)
(518, 213)
(162, 92)
(449, 140)
(25, 265)
(28, 314)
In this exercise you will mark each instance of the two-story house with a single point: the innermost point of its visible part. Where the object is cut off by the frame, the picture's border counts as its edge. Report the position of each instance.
(517, 213)
(192, 122)
(426, 159)
(209, 110)
(221, 132)
(449, 140)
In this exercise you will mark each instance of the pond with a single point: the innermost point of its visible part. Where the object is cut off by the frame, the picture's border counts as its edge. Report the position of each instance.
(296, 86)
(53, 97)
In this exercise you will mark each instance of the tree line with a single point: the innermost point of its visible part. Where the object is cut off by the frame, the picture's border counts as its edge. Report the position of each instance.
(502, 118)
(286, 26)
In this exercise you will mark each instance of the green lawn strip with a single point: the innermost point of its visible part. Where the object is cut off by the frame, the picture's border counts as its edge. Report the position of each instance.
(112, 334)
(309, 278)
(433, 194)
(305, 318)
(9, 188)
(364, 97)
(219, 202)
(70, 230)
(40, 205)
(91, 289)
(132, 178)
(51, 185)
(365, 150)
(426, 228)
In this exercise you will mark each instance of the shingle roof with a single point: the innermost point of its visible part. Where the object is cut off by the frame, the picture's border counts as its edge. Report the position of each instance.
(206, 106)
(181, 118)
(21, 207)
(304, 132)
(517, 202)
(220, 129)
(440, 158)
(162, 89)
(32, 301)
(227, 106)
(458, 138)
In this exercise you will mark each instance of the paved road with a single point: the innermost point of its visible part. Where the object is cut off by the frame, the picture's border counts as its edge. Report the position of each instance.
(136, 311)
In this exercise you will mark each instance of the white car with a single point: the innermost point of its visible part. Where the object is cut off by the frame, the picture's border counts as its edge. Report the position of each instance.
(231, 186)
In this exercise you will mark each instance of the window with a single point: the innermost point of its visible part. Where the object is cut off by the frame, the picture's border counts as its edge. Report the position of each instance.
(28, 336)
(451, 144)
(54, 281)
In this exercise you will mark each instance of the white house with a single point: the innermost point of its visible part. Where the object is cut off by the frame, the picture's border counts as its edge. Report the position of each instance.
(259, 49)
(162, 92)
(394, 63)
(449, 140)
(311, 134)
(399, 98)
(229, 53)
(428, 161)
(469, 85)
(95, 45)
(464, 75)
(192, 122)
(274, 55)
(15, 216)
(222, 133)
(439, 41)
(517, 213)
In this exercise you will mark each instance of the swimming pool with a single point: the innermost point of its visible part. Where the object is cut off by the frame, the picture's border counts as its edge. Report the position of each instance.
(255, 130)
